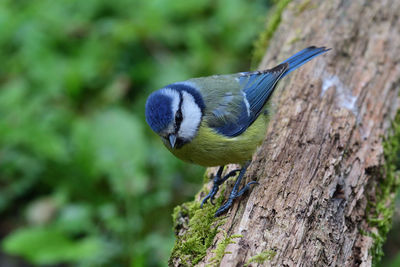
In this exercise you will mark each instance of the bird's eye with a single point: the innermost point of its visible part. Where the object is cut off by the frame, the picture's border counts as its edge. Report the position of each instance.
(178, 117)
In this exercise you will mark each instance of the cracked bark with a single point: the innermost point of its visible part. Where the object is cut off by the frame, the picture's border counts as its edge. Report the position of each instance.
(324, 143)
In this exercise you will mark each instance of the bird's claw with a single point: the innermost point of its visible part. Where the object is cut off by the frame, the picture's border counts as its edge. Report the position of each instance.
(216, 183)
(234, 194)
(209, 196)
(246, 188)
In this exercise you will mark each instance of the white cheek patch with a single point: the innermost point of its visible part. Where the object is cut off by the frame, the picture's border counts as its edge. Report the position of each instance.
(191, 114)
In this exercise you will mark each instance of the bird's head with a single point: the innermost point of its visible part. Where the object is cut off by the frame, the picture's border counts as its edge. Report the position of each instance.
(174, 113)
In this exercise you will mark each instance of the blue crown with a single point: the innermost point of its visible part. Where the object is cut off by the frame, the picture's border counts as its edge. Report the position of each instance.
(158, 111)
(191, 90)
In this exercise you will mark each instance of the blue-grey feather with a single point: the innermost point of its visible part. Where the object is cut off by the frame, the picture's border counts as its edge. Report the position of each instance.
(235, 110)
(234, 128)
(258, 87)
(224, 108)
(303, 57)
(259, 92)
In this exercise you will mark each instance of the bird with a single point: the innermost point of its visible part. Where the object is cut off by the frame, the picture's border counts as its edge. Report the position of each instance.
(220, 119)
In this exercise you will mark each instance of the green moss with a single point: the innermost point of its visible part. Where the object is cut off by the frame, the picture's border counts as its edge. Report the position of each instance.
(263, 41)
(305, 5)
(262, 257)
(220, 249)
(206, 178)
(195, 229)
(380, 209)
(297, 37)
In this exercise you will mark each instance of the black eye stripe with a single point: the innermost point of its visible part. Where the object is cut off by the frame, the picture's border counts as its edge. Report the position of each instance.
(178, 117)
(178, 114)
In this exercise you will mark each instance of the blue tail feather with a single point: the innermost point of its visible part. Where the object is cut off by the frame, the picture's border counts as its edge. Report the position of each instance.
(302, 57)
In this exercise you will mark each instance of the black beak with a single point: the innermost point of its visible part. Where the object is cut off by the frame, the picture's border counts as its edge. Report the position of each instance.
(172, 140)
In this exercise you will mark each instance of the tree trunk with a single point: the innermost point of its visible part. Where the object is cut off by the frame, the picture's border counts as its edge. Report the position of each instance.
(320, 166)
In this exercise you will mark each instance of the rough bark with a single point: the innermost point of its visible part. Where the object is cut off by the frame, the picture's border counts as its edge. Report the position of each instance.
(323, 148)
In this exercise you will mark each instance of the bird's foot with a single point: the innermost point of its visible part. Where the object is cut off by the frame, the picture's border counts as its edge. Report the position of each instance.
(216, 183)
(234, 194)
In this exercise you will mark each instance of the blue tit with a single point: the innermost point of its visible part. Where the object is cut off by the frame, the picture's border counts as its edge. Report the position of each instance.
(220, 119)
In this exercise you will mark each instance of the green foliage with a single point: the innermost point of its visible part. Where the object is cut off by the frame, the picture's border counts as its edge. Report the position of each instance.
(45, 246)
(262, 257)
(394, 262)
(82, 178)
(221, 247)
(380, 210)
(262, 43)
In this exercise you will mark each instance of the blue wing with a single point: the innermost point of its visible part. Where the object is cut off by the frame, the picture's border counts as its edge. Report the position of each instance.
(237, 112)
(302, 57)
(257, 87)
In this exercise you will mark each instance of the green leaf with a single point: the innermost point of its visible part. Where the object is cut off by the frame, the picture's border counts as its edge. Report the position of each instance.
(121, 151)
(49, 245)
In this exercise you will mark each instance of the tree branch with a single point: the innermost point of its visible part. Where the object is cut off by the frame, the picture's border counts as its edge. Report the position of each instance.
(321, 166)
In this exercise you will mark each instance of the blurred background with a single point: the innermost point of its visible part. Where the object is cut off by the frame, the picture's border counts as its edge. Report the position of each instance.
(83, 180)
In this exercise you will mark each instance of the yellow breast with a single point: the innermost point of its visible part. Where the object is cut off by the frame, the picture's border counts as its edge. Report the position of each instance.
(211, 149)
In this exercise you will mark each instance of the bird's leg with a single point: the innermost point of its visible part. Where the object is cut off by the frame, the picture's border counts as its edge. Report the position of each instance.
(216, 183)
(235, 193)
